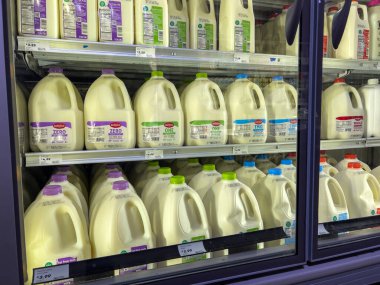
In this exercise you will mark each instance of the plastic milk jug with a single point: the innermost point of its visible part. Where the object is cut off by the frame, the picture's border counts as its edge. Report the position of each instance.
(325, 35)
(270, 35)
(22, 120)
(327, 168)
(293, 50)
(281, 101)
(79, 19)
(73, 179)
(148, 173)
(178, 164)
(361, 189)
(350, 157)
(202, 24)
(247, 114)
(232, 208)
(280, 45)
(55, 115)
(332, 203)
(259, 34)
(55, 231)
(288, 170)
(205, 112)
(228, 164)
(330, 16)
(276, 196)
(376, 173)
(151, 22)
(103, 171)
(179, 217)
(249, 174)
(192, 168)
(329, 158)
(374, 23)
(116, 21)
(38, 18)
(236, 26)
(204, 180)
(342, 112)
(77, 170)
(263, 163)
(136, 170)
(159, 116)
(108, 114)
(179, 23)
(370, 95)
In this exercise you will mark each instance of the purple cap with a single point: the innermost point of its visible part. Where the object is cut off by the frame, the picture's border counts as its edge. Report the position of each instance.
(120, 185)
(52, 190)
(63, 168)
(373, 3)
(55, 70)
(59, 178)
(111, 166)
(107, 71)
(114, 174)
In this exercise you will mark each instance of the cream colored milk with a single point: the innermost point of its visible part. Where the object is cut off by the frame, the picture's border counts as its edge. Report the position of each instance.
(288, 170)
(228, 164)
(22, 120)
(349, 157)
(73, 179)
(192, 168)
(204, 180)
(374, 20)
(370, 95)
(179, 24)
(248, 174)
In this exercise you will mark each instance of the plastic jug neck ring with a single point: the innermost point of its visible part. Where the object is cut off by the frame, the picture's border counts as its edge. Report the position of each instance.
(52, 190)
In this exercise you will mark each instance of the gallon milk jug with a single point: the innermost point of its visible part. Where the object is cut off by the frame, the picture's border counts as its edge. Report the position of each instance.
(327, 168)
(103, 171)
(38, 18)
(79, 20)
(116, 21)
(350, 157)
(228, 164)
(288, 170)
(55, 231)
(151, 22)
(370, 95)
(247, 114)
(108, 114)
(204, 180)
(330, 16)
(232, 208)
(205, 112)
(202, 24)
(55, 115)
(148, 173)
(236, 26)
(77, 170)
(179, 217)
(159, 116)
(281, 101)
(276, 196)
(192, 168)
(332, 203)
(179, 23)
(280, 45)
(330, 159)
(73, 179)
(374, 23)
(293, 50)
(342, 112)
(249, 174)
(259, 34)
(179, 164)
(269, 35)
(361, 189)
(376, 173)
(263, 163)
(22, 120)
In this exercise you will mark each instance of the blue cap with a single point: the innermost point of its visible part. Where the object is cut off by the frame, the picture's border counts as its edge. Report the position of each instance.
(242, 76)
(262, 156)
(321, 168)
(286, 162)
(278, 78)
(249, 164)
(228, 157)
(275, 171)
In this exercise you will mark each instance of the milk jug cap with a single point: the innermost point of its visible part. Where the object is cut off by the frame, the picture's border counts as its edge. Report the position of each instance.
(320, 169)
(340, 80)
(244, 76)
(55, 70)
(52, 190)
(278, 78)
(355, 165)
(373, 3)
(108, 71)
(286, 162)
(120, 185)
(373, 81)
(153, 163)
(164, 170)
(275, 171)
(157, 73)
(193, 160)
(350, 156)
(286, 7)
(111, 166)
(292, 155)
(114, 174)
(228, 176)
(202, 75)
(177, 180)
(332, 9)
(59, 178)
(262, 156)
(323, 160)
(249, 164)
(208, 167)
(228, 157)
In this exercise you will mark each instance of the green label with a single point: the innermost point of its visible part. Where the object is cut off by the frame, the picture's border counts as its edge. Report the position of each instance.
(205, 36)
(163, 133)
(197, 257)
(153, 25)
(177, 34)
(242, 36)
(252, 230)
(213, 132)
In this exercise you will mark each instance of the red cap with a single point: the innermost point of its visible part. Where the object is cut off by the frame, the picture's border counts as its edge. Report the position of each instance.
(286, 7)
(273, 15)
(292, 154)
(350, 156)
(332, 9)
(340, 80)
(354, 165)
(323, 160)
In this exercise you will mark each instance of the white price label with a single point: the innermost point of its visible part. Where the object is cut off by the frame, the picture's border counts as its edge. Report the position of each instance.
(242, 57)
(35, 45)
(47, 274)
(188, 249)
(154, 154)
(145, 52)
(322, 230)
(50, 159)
(240, 150)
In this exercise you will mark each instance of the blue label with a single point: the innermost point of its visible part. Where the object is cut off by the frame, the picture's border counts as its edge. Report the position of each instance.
(279, 121)
(343, 217)
(290, 230)
(250, 121)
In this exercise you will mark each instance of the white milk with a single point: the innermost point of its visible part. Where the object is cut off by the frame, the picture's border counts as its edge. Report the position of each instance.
(376, 173)
(330, 16)
(55, 231)
(151, 22)
(247, 114)
(232, 208)
(364, 39)
(79, 20)
(350, 157)
(374, 22)
(148, 173)
(228, 164)
(327, 168)
(263, 163)
(22, 120)
(202, 24)
(342, 112)
(38, 18)
(179, 217)
(179, 23)
(249, 174)
(55, 115)
(205, 112)
(361, 189)
(108, 114)
(159, 116)
(116, 21)
(236, 26)
(192, 168)
(281, 101)
(370, 95)
(288, 170)
(73, 179)
(204, 180)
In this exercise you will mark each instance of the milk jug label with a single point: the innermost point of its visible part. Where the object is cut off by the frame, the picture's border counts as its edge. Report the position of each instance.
(75, 19)
(377, 37)
(325, 45)
(350, 124)
(205, 35)
(286, 128)
(194, 257)
(290, 230)
(125, 271)
(341, 217)
(56, 134)
(177, 33)
(106, 132)
(242, 35)
(363, 43)
(211, 131)
(33, 17)
(254, 129)
(110, 21)
(153, 24)
(164, 132)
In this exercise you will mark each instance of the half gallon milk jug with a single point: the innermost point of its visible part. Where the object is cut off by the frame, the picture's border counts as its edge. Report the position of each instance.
(342, 112)
(179, 217)
(249, 174)
(38, 18)
(330, 16)
(108, 114)
(116, 21)
(236, 26)
(73, 179)
(192, 168)
(376, 173)
(361, 189)
(370, 95)
(374, 23)
(55, 231)
(263, 163)
(247, 113)
(276, 196)
(281, 101)
(204, 180)
(151, 22)
(228, 164)
(79, 19)
(332, 203)
(179, 23)
(327, 168)
(55, 115)
(22, 120)
(159, 116)
(232, 208)
(202, 24)
(148, 173)
(205, 112)
(350, 157)
(288, 170)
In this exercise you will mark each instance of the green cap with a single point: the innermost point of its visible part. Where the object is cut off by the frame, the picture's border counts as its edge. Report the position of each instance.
(157, 73)
(177, 180)
(202, 75)
(164, 170)
(209, 167)
(193, 160)
(153, 163)
(229, 176)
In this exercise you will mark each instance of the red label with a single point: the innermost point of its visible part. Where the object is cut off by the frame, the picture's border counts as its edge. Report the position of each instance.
(348, 118)
(169, 125)
(59, 126)
(378, 211)
(258, 122)
(115, 125)
(216, 124)
(325, 44)
(294, 121)
(366, 44)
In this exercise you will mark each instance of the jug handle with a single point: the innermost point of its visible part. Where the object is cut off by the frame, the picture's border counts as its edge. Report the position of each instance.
(339, 189)
(339, 23)
(260, 95)
(174, 93)
(143, 214)
(293, 92)
(212, 7)
(357, 96)
(252, 200)
(72, 94)
(125, 94)
(377, 184)
(77, 222)
(293, 18)
(202, 212)
(219, 94)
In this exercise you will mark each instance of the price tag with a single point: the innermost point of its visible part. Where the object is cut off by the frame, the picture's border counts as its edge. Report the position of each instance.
(50, 159)
(145, 52)
(322, 230)
(240, 150)
(35, 45)
(188, 249)
(47, 274)
(242, 57)
(154, 154)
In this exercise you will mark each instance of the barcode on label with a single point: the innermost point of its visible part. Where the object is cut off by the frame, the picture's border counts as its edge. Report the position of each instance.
(160, 35)
(119, 31)
(84, 28)
(43, 24)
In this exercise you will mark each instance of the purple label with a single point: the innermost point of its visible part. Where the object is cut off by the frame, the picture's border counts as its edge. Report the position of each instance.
(139, 248)
(116, 20)
(40, 17)
(55, 125)
(65, 260)
(81, 17)
(125, 271)
(112, 124)
(75, 19)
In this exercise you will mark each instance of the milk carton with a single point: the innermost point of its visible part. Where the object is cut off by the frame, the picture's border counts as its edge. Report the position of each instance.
(376, 173)
(247, 114)
(370, 95)
(249, 174)
(55, 115)
(327, 168)
(263, 163)
(148, 173)
(281, 101)
(204, 180)
(192, 168)
(288, 170)
(179, 33)
(22, 120)
(330, 16)
(205, 112)
(374, 20)
(350, 157)
(228, 164)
